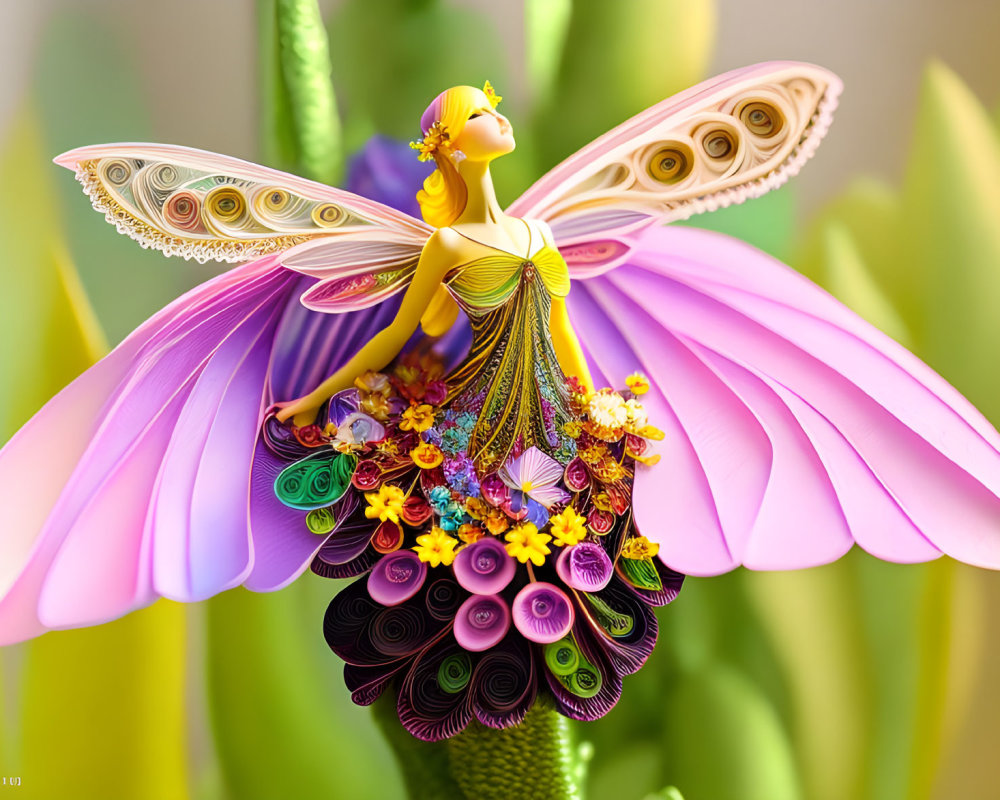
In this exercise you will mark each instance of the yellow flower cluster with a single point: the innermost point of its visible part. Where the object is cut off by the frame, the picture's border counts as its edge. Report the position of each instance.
(417, 418)
(386, 503)
(373, 394)
(436, 140)
(568, 527)
(639, 547)
(426, 455)
(526, 544)
(436, 547)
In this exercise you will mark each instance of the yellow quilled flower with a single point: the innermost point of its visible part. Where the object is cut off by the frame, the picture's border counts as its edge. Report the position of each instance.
(476, 508)
(491, 94)
(573, 429)
(470, 533)
(568, 527)
(386, 503)
(594, 454)
(417, 418)
(436, 547)
(637, 383)
(374, 382)
(375, 405)
(639, 547)
(526, 544)
(601, 501)
(426, 456)
(496, 521)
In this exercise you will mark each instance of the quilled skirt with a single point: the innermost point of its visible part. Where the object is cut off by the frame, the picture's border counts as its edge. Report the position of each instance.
(476, 592)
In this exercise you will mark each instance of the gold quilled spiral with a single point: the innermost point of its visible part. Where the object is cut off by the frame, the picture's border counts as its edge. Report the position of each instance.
(671, 163)
(762, 119)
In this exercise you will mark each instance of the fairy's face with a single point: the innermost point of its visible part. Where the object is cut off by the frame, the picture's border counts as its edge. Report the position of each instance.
(487, 133)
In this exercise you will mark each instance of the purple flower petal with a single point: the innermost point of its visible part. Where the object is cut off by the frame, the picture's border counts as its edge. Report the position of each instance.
(537, 513)
(481, 622)
(542, 613)
(396, 578)
(484, 567)
(585, 567)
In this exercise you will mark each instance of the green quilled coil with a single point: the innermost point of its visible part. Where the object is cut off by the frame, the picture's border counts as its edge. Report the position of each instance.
(317, 480)
(585, 682)
(641, 573)
(454, 673)
(562, 657)
(321, 521)
(614, 622)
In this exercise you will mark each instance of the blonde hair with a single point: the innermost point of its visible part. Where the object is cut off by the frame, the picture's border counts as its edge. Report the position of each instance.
(444, 195)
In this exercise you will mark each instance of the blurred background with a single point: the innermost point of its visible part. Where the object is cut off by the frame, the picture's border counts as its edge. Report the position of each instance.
(856, 680)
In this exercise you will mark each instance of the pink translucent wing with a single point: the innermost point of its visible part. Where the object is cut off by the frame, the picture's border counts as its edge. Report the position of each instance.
(83, 545)
(721, 142)
(793, 428)
(156, 483)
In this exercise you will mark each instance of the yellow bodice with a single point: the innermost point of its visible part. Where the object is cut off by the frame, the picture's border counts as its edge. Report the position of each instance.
(511, 378)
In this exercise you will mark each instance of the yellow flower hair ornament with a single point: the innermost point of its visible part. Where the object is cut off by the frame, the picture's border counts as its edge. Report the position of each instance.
(436, 140)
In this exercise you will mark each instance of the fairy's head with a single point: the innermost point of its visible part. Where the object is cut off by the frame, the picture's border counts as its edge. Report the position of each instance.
(461, 124)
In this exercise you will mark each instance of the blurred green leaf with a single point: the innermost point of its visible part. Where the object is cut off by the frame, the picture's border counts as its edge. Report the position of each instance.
(101, 710)
(950, 236)
(813, 619)
(618, 59)
(392, 57)
(869, 212)
(88, 90)
(546, 24)
(284, 725)
(726, 741)
(766, 222)
(48, 333)
(836, 264)
(635, 765)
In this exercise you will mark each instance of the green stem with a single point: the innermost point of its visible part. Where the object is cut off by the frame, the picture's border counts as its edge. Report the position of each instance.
(302, 129)
(534, 759)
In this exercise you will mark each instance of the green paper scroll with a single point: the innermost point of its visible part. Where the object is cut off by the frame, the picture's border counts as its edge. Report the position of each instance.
(315, 481)
(641, 573)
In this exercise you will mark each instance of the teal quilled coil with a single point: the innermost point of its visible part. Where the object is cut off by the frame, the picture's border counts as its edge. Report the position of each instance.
(315, 481)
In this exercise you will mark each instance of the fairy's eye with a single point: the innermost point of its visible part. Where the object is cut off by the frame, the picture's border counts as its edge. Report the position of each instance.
(474, 115)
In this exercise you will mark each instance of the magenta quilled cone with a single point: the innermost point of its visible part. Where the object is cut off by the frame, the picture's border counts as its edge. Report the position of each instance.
(484, 567)
(585, 567)
(481, 622)
(542, 613)
(396, 578)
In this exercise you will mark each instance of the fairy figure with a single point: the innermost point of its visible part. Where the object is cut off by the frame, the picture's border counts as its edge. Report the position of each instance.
(512, 508)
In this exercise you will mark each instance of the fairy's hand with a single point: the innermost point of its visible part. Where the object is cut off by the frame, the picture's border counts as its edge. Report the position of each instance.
(302, 411)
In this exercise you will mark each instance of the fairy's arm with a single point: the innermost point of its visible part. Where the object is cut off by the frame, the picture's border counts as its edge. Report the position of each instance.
(567, 346)
(435, 261)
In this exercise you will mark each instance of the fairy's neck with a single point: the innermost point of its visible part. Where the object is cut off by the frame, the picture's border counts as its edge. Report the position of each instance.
(481, 204)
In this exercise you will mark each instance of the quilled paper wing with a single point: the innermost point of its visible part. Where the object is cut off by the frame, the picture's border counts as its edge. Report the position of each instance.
(721, 142)
(206, 206)
(793, 428)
